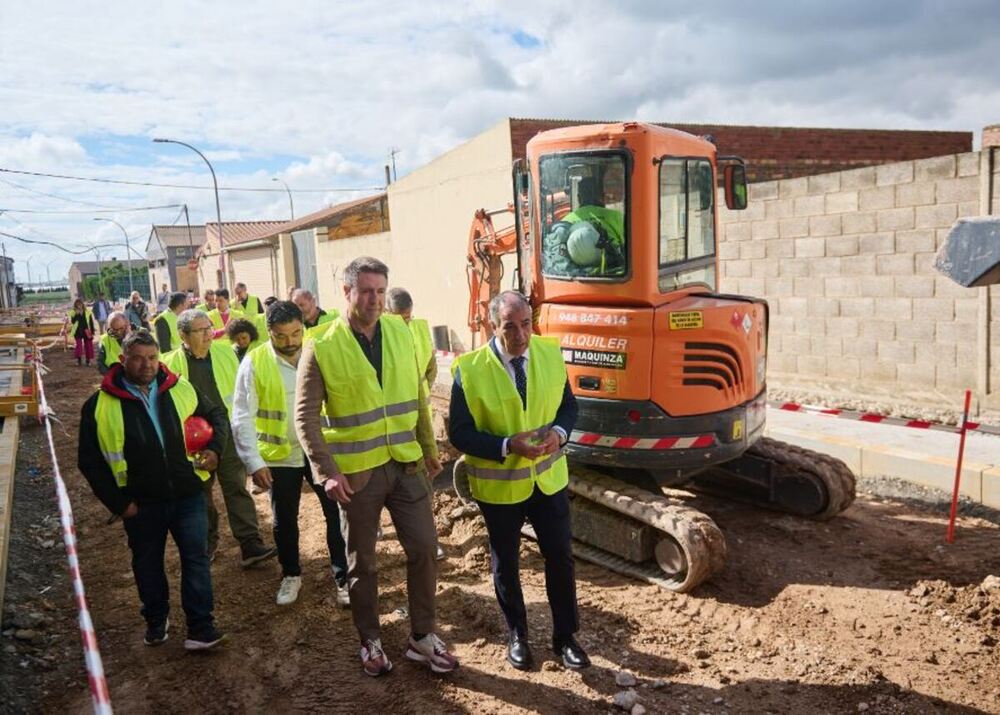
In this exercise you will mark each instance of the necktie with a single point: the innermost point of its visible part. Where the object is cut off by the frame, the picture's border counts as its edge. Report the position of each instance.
(520, 379)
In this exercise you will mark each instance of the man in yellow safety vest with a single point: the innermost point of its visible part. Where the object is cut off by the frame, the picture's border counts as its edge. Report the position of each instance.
(166, 322)
(512, 411)
(211, 366)
(370, 452)
(265, 438)
(109, 347)
(400, 302)
(246, 303)
(313, 317)
(133, 455)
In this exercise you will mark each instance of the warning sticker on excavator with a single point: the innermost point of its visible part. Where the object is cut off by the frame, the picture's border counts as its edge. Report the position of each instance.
(686, 320)
(737, 429)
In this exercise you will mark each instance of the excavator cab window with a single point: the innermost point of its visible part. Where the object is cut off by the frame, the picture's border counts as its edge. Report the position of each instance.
(687, 224)
(584, 199)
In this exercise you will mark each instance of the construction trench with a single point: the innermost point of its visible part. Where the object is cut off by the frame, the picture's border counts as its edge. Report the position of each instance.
(869, 611)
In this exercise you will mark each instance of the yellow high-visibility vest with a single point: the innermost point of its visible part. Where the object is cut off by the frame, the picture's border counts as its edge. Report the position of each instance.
(271, 419)
(496, 408)
(111, 426)
(224, 367)
(367, 424)
(112, 349)
(170, 318)
(323, 323)
(252, 306)
(422, 343)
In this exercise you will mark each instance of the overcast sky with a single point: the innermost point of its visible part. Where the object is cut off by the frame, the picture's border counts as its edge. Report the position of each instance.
(317, 92)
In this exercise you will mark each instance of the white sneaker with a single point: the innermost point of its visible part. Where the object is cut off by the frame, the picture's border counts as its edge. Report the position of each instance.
(288, 592)
(343, 595)
(440, 555)
(431, 650)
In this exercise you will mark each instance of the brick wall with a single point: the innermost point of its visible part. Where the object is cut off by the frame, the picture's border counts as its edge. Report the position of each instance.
(846, 261)
(788, 152)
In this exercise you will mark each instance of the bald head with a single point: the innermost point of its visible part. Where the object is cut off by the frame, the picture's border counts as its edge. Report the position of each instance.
(306, 302)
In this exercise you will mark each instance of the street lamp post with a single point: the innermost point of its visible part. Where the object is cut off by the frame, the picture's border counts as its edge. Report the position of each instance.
(218, 211)
(128, 250)
(291, 206)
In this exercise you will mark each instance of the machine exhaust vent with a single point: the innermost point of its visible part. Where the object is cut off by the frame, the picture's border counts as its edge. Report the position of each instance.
(712, 365)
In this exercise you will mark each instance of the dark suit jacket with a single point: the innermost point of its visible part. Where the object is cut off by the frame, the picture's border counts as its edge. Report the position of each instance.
(467, 439)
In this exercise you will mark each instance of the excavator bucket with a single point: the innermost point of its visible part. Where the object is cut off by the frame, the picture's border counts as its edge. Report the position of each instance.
(970, 255)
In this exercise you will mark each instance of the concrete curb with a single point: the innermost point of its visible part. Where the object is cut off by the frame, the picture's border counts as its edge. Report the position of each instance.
(980, 482)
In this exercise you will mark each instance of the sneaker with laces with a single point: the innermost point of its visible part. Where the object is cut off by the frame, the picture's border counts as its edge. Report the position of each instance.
(288, 592)
(157, 634)
(431, 650)
(343, 595)
(374, 659)
(204, 639)
(254, 552)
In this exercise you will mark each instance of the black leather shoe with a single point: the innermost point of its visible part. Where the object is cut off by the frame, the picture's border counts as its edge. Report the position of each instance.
(573, 656)
(518, 652)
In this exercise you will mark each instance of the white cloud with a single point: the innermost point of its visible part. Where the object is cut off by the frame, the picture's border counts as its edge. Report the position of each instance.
(318, 92)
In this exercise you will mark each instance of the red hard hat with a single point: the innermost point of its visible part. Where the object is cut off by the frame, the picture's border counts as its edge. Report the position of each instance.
(197, 434)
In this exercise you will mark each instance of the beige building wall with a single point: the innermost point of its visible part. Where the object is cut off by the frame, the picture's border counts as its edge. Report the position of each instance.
(255, 267)
(333, 256)
(846, 262)
(430, 212)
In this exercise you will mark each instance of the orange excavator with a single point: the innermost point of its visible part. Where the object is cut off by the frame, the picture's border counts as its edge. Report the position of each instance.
(615, 234)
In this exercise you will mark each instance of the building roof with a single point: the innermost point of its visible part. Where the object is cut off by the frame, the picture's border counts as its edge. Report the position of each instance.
(171, 236)
(328, 216)
(92, 267)
(237, 232)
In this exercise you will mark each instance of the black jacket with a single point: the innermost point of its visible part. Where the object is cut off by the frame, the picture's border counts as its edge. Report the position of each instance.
(464, 436)
(155, 472)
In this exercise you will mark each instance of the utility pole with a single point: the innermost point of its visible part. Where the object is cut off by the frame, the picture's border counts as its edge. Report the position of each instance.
(392, 158)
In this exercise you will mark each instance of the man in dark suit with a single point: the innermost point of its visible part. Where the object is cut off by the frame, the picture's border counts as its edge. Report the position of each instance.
(511, 413)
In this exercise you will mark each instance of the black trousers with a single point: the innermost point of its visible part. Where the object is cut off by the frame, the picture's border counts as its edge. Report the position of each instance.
(549, 515)
(286, 492)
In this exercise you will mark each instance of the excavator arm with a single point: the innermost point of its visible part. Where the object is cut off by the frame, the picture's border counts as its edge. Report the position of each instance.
(484, 268)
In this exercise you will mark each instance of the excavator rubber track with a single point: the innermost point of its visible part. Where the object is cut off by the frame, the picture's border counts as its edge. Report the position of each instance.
(689, 533)
(784, 477)
(694, 532)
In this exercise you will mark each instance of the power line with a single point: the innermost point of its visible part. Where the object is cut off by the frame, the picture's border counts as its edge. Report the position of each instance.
(186, 186)
(91, 211)
(54, 196)
(60, 247)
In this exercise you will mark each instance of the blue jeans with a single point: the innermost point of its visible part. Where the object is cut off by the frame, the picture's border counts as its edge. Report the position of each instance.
(185, 519)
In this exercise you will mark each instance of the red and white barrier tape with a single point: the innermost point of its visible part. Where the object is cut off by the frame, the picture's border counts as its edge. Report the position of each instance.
(884, 419)
(99, 693)
(834, 412)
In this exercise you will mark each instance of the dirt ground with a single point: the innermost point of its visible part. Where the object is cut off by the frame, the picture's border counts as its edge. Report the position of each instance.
(870, 612)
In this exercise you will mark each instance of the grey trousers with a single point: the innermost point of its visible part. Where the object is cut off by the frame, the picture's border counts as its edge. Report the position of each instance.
(404, 494)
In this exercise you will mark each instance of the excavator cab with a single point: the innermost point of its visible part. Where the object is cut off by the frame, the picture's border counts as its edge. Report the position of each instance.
(617, 229)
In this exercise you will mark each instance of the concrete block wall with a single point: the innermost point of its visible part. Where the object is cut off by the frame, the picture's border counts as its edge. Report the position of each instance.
(845, 260)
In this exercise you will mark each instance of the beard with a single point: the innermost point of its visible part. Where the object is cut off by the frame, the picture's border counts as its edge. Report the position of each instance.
(288, 350)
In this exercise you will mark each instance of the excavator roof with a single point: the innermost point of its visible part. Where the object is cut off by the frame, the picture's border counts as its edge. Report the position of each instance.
(601, 133)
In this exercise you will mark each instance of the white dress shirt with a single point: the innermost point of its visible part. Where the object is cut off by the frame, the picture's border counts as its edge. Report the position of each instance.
(244, 415)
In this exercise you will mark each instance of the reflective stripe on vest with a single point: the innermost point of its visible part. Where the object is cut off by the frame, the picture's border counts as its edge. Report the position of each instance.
(368, 424)
(224, 366)
(496, 408)
(111, 427)
(170, 318)
(112, 349)
(271, 421)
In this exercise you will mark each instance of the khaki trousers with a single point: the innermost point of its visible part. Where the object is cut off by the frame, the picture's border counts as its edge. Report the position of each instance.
(402, 491)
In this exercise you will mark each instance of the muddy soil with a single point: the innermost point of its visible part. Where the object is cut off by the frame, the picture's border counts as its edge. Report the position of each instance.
(870, 612)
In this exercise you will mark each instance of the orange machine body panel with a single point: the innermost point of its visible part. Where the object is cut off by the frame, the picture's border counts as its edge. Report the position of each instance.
(637, 335)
